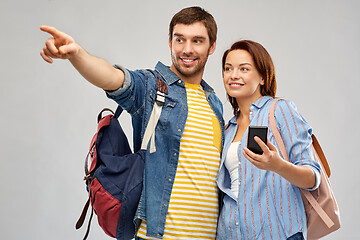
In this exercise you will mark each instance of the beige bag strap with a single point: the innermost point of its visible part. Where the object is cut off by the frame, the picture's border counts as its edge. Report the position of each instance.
(154, 117)
(284, 154)
(149, 133)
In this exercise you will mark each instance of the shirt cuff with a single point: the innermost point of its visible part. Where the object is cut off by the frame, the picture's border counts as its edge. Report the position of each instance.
(125, 86)
(317, 179)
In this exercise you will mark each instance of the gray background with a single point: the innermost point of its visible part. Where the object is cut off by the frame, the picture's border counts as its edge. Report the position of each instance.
(48, 112)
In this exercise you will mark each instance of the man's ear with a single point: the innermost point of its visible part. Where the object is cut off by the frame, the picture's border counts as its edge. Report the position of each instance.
(170, 44)
(212, 48)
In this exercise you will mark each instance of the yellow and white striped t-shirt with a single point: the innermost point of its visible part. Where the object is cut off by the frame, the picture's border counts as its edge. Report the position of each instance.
(193, 208)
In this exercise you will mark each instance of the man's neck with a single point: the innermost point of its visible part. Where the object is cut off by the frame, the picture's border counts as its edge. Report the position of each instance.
(195, 79)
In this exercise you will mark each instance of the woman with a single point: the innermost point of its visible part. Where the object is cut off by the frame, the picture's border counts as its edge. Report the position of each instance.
(261, 192)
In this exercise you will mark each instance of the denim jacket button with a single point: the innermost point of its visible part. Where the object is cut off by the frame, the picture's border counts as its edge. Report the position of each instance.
(179, 130)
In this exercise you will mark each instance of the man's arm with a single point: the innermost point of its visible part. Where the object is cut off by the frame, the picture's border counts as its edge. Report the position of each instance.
(96, 70)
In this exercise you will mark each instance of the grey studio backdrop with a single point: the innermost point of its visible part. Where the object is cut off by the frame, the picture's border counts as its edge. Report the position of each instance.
(48, 111)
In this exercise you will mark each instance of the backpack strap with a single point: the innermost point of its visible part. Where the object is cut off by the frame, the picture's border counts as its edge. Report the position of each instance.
(323, 215)
(321, 155)
(118, 112)
(149, 133)
(81, 220)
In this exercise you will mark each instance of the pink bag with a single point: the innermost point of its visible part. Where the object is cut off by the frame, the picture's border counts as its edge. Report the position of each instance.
(322, 212)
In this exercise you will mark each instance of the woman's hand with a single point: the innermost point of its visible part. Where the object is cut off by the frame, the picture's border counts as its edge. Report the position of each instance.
(301, 176)
(269, 160)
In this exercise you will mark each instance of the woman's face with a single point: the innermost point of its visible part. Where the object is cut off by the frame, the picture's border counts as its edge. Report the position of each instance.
(241, 79)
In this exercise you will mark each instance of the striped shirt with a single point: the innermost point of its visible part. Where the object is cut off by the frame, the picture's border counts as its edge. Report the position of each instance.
(193, 208)
(267, 206)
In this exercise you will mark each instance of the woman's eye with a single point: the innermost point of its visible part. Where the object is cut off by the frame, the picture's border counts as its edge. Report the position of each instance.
(244, 69)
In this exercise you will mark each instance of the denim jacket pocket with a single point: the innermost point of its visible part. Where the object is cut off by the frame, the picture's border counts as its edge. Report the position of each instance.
(165, 112)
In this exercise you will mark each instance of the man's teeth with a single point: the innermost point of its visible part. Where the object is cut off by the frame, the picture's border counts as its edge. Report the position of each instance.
(188, 60)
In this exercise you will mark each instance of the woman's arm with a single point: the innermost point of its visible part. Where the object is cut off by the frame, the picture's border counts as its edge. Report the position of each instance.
(300, 176)
(302, 170)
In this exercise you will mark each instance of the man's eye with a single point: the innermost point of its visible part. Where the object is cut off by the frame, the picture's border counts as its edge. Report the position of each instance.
(178, 40)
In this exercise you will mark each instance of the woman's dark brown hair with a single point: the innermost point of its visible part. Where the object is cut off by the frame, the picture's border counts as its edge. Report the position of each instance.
(263, 64)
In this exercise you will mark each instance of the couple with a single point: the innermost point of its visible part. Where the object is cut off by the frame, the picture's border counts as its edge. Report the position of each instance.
(195, 153)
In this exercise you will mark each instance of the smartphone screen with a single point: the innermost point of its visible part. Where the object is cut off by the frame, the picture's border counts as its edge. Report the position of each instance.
(261, 132)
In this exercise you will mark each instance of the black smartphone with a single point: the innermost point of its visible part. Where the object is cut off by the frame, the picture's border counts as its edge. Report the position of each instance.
(261, 132)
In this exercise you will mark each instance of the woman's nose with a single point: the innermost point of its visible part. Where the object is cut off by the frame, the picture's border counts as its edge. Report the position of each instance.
(235, 74)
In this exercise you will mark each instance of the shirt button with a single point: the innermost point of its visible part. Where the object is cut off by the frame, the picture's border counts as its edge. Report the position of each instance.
(164, 204)
(174, 154)
(179, 130)
(169, 179)
(237, 224)
(179, 81)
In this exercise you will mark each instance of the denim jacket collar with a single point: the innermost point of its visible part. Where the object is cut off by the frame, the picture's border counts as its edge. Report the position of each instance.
(171, 78)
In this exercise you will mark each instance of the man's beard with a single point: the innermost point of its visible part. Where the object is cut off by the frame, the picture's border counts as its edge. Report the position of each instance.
(182, 70)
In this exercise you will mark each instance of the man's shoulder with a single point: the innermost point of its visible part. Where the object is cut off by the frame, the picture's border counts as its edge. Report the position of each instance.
(166, 73)
(206, 86)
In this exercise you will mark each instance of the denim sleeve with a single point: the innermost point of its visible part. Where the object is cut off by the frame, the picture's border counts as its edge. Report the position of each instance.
(296, 133)
(131, 96)
(126, 85)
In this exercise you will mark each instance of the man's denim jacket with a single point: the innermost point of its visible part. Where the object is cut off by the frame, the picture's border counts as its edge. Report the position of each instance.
(137, 97)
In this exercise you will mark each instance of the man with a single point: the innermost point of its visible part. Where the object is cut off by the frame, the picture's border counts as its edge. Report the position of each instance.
(179, 197)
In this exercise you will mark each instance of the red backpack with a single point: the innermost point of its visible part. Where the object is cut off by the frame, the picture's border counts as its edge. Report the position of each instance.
(115, 177)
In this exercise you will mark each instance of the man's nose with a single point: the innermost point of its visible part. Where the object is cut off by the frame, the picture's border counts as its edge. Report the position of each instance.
(188, 48)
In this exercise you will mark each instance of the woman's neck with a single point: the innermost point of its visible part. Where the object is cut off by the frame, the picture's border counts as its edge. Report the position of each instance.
(244, 104)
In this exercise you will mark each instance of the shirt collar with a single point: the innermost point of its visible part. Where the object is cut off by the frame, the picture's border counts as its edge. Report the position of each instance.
(259, 103)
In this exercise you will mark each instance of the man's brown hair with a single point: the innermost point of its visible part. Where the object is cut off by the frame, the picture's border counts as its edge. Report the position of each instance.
(191, 15)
